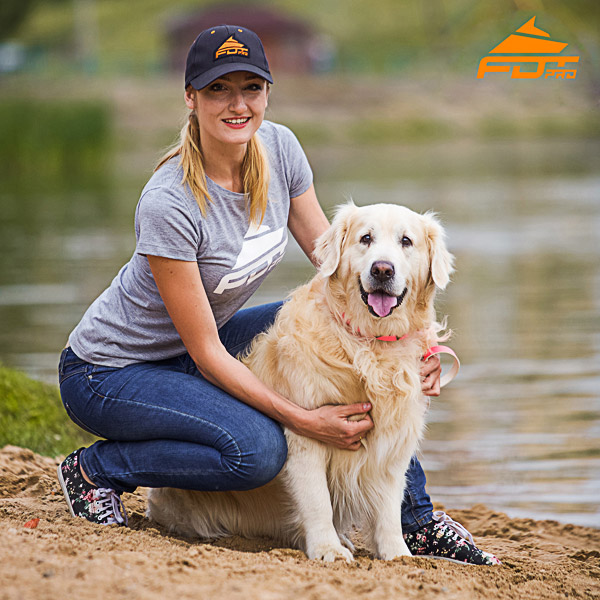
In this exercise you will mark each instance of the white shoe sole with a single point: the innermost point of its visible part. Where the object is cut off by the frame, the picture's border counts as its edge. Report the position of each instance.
(63, 486)
(453, 560)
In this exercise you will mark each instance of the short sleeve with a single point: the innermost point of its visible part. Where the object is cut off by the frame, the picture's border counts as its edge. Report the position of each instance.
(299, 174)
(165, 226)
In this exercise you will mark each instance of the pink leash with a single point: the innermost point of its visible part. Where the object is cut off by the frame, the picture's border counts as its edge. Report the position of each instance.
(446, 378)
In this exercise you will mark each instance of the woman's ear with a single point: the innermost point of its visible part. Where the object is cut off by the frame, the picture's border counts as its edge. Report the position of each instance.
(440, 260)
(328, 249)
(190, 97)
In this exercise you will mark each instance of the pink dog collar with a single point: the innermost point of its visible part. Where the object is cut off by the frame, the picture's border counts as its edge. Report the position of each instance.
(391, 338)
(383, 338)
(446, 378)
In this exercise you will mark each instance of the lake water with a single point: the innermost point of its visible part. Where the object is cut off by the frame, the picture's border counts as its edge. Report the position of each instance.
(519, 430)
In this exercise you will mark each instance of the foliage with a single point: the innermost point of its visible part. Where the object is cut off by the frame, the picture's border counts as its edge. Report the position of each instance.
(381, 131)
(380, 35)
(12, 14)
(32, 416)
(58, 138)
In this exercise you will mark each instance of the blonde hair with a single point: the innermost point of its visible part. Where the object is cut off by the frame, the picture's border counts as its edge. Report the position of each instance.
(255, 170)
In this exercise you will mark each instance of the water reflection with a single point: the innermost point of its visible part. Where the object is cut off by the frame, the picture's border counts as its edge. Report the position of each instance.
(519, 429)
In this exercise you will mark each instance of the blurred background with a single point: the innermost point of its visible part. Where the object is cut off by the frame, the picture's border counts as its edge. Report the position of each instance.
(383, 96)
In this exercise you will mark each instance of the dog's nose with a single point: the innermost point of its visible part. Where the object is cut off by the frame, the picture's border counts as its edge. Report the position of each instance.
(382, 270)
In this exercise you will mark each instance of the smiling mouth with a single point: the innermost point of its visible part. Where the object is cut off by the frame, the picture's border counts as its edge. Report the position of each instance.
(379, 303)
(236, 122)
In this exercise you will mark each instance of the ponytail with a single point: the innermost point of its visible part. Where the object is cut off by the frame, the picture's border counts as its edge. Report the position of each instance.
(255, 169)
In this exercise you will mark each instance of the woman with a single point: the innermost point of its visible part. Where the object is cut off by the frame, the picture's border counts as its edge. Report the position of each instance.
(151, 367)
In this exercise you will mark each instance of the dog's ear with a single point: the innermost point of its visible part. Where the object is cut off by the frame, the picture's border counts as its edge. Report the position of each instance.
(328, 248)
(440, 260)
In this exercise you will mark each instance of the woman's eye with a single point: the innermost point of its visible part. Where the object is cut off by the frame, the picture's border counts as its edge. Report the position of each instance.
(406, 242)
(216, 87)
(366, 239)
(255, 87)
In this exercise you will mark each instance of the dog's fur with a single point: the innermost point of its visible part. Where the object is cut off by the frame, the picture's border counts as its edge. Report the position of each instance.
(321, 350)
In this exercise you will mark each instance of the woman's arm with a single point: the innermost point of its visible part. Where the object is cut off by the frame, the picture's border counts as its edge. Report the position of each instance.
(307, 221)
(181, 289)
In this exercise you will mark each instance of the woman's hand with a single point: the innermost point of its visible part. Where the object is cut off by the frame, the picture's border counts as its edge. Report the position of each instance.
(342, 426)
(431, 371)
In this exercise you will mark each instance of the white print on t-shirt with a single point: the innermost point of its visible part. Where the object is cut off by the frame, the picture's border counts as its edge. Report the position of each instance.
(261, 251)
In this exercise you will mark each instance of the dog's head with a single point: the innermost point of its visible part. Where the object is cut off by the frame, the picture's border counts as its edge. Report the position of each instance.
(384, 259)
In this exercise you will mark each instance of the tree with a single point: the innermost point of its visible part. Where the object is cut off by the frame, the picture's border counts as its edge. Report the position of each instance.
(12, 14)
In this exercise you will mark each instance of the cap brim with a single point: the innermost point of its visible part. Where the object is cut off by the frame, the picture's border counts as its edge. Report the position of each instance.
(209, 76)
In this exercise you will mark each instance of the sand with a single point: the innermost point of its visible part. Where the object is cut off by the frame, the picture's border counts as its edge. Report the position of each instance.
(70, 558)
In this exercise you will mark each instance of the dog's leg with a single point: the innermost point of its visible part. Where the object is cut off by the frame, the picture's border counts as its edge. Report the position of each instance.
(306, 479)
(387, 524)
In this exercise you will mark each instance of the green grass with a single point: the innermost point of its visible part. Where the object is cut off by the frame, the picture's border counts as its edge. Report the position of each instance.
(32, 416)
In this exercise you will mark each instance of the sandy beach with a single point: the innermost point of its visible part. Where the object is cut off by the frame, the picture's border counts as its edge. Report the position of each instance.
(66, 558)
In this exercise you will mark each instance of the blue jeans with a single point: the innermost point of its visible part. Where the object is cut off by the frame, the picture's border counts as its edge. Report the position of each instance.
(167, 426)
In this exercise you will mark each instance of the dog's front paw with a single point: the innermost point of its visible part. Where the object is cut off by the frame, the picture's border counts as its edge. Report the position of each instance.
(330, 553)
(393, 549)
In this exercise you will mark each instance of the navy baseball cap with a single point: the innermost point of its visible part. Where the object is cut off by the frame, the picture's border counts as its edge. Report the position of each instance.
(224, 49)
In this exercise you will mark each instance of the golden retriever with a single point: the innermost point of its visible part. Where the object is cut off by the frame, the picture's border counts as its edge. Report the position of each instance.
(379, 267)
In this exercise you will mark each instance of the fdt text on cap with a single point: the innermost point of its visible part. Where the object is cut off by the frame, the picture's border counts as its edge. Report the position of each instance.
(224, 49)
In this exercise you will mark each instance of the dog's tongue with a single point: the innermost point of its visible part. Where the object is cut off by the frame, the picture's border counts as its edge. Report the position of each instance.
(381, 303)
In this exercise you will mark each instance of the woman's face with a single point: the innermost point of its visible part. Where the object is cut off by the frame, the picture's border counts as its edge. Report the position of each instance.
(230, 109)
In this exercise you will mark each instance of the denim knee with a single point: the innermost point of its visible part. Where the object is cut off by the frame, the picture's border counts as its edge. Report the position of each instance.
(263, 462)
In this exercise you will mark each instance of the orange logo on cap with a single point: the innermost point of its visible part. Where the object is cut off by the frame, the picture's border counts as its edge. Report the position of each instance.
(530, 43)
(231, 46)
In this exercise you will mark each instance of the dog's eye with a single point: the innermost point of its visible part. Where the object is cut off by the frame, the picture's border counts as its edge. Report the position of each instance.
(366, 239)
(406, 242)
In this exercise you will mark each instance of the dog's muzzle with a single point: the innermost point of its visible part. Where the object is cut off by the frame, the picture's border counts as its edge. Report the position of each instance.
(379, 302)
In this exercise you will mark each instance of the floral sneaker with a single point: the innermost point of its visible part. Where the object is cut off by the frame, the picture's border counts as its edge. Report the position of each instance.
(445, 538)
(98, 505)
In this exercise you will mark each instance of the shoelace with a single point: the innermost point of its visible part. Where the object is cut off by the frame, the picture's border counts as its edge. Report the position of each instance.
(441, 517)
(109, 506)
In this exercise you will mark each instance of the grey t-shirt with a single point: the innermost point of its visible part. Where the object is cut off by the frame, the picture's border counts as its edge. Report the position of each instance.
(128, 322)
